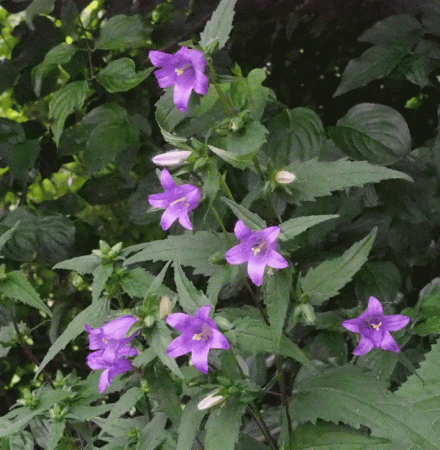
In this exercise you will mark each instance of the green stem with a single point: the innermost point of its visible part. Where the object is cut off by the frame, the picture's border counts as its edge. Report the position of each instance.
(263, 427)
(283, 389)
(226, 188)
(220, 221)
(229, 108)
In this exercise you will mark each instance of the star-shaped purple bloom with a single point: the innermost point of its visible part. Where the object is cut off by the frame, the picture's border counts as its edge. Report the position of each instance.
(185, 70)
(374, 328)
(177, 201)
(258, 248)
(199, 335)
(112, 349)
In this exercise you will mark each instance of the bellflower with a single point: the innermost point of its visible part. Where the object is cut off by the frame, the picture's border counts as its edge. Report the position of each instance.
(112, 349)
(374, 328)
(177, 201)
(184, 70)
(199, 335)
(258, 248)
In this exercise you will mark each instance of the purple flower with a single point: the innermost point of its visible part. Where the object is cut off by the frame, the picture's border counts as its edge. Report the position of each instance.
(111, 345)
(258, 248)
(177, 201)
(185, 70)
(199, 334)
(374, 328)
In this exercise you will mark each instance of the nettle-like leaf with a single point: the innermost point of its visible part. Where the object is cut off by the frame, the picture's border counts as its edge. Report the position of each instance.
(123, 32)
(120, 75)
(293, 227)
(223, 426)
(220, 25)
(195, 250)
(250, 219)
(189, 425)
(80, 264)
(328, 436)
(350, 395)
(66, 100)
(238, 161)
(16, 287)
(374, 132)
(4, 237)
(317, 179)
(325, 280)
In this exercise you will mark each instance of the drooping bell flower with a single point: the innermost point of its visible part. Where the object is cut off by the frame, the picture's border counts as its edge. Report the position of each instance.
(258, 249)
(177, 201)
(112, 348)
(199, 335)
(374, 328)
(185, 70)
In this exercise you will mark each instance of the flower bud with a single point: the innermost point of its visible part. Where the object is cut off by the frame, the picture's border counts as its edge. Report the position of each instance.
(284, 177)
(171, 158)
(165, 307)
(211, 400)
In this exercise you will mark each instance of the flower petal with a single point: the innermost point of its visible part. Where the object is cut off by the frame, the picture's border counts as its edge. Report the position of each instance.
(179, 321)
(179, 346)
(117, 329)
(395, 322)
(171, 158)
(166, 180)
(276, 261)
(182, 92)
(364, 346)
(201, 83)
(377, 336)
(167, 219)
(95, 362)
(195, 56)
(374, 307)
(165, 77)
(388, 343)
(237, 254)
(203, 313)
(255, 269)
(159, 200)
(218, 340)
(161, 59)
(241, 230)
(353, 324)
(104, 381)
(270, 234)
(199, 357)
(184, 221)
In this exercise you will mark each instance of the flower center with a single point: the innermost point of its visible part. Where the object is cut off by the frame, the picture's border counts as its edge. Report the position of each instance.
(180, 200)
(373, 323)
(259, 246)
(204, 335)
(105, 340)
(182, 69)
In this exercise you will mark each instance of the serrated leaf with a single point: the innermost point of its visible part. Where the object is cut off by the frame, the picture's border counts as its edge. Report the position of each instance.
(256, 93)
(120, 75)
(122, 32)
(100, 276)
(277, 300)
(193, 250)
(190, 299)
(16, 287)
(327, 436)
(137, 282)
(350, 395)
(238, 161)
(66, 100)
(92, 315)
(220, 25)
(21, 441)
(246, 142)
(293, 227)
(325, 280)
(317, 179)
(152, 435)
(374, 132)
(37, 7)
(56, 433)
(80, 264)
(223, 426)
(189, 425)
(251, 220)
(7, 235)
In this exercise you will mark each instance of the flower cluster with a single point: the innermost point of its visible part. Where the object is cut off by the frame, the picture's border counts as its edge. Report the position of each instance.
(199, 335)
(112, 349)
(185, 70)
(374, 328)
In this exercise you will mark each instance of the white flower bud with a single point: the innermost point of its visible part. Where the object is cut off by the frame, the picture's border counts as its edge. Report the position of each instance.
(165, 307)
(211, 400)
(171, 158)
(284, 177)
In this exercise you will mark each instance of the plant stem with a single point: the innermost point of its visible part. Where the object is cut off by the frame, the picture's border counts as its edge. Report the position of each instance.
(219, 220)
(283, 389)
(229, 108)
(226, 188)
(263, 427)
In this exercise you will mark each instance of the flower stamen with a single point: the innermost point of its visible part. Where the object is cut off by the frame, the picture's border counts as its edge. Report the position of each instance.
(204, 335)
(182, 69)
(257, 248)
(179, 200)
(376, 327)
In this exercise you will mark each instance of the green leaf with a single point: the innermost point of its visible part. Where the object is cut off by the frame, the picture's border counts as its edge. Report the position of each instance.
(66, 100)
(137, 282)
(80, 264)
(24, 440)
(317, 179)
(61, 54)
(100, 277)
(292, 227)
(277, 300)
(325, 280)
(7, 235)
(36, 8)
(374, 132)
(189, 425)
(253, 335)
(56, 433)
(152, 435)
(246, 142)
(257, 94)
(220, 25)
(193, 250)
(190, 299)
(92, 315)
(402, 30)
(373, 64)
(23, 159)
(251, 220)
(350, 395)
(121, 76)
(327, 436)
(123, 32)
(238, 161)
(223, 426)
(17, 287)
